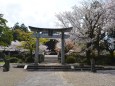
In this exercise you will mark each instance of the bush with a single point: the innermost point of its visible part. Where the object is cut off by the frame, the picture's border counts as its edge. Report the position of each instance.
(13, 60)
(21, 57)
(29, 59)
(79, 58)
(105, 60)
(41, 58)
(70, 59)
(20, 61)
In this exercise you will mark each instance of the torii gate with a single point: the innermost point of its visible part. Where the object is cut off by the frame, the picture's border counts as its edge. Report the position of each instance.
(50, 31)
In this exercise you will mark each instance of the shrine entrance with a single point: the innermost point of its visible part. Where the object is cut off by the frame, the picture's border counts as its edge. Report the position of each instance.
(50, 33)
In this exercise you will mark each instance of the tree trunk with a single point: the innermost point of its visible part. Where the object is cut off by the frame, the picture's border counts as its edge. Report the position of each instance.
(30, 53)
(112, 54)
(98, 39)
(112, 57)
(98, 47)
(88, 52)
(92, 60)
(88, 56)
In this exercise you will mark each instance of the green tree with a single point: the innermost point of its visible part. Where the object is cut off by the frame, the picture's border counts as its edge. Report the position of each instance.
(5, 32)
(28, 43)
(18, 30)
(23, 27)
(17, 34)
(16, 26)
(20, 27)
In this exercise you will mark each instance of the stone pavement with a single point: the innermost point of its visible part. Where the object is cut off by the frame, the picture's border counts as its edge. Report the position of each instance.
(44, 79)
(50, 78)
(21, 77)
(82, 78)
(12, 77)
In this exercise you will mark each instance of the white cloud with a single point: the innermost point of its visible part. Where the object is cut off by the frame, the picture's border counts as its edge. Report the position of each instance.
(39, 13)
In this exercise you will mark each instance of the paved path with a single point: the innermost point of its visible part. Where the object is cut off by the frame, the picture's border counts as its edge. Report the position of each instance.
(49, 78)
(12, 77)
(21, 77)
(44, 79)
(101, 78)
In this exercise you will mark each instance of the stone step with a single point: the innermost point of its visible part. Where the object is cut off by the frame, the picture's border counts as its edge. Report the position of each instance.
(51, 59)
(49, 67)
(59, 68)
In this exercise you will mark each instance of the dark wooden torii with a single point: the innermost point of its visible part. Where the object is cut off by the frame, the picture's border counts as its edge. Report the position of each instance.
(50, 32)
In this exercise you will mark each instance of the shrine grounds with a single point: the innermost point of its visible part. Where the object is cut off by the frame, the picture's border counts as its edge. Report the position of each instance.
(21, 77)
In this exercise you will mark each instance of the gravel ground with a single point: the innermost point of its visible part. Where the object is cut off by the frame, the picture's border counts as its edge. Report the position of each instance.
(21, 77)
(101, 78)
(12, 77)
(48, 78)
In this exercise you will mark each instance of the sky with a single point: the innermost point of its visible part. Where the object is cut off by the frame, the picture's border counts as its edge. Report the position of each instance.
(38, 13)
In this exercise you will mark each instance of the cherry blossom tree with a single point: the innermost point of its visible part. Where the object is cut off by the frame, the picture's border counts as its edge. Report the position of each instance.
(87, 22)
(110, 27)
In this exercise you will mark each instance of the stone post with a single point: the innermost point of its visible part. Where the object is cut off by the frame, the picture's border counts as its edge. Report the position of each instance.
(62, 48)
(37, 49)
